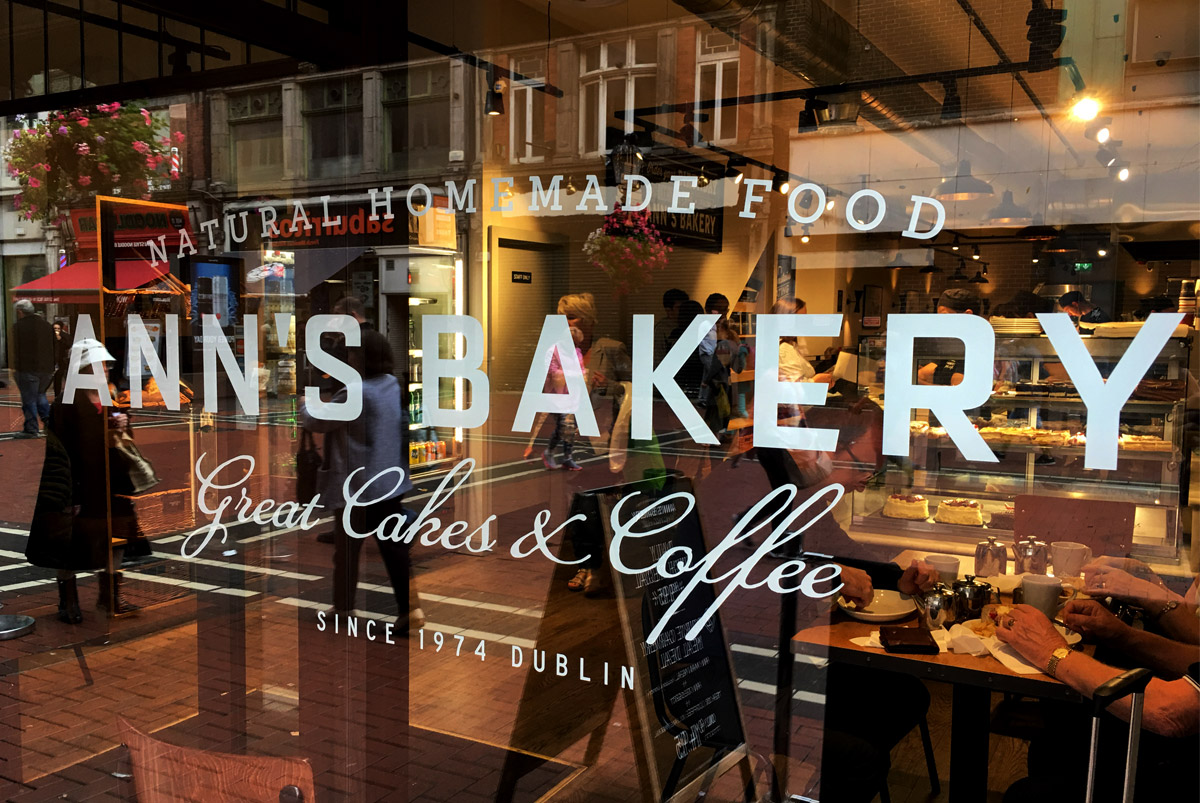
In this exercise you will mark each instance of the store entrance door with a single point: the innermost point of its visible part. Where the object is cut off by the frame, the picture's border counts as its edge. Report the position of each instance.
(527, 280)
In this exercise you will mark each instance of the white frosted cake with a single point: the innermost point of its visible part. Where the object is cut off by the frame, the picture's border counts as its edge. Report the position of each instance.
(906, 506)
(960, 511)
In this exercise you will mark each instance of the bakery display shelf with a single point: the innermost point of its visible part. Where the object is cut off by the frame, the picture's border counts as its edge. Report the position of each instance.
(1049, 402)
(1066, 451)
(961, 486)
(877, 522)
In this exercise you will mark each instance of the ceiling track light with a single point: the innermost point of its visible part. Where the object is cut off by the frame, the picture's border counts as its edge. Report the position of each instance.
(1099, 129)
(807, 235)
(787, 230)
(1106, 156)
(782, 183)
(1086, 109)
(1119, 170)
(493, 103)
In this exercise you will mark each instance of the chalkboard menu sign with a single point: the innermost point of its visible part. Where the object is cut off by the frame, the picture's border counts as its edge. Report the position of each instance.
(682, 706)
(688, 723)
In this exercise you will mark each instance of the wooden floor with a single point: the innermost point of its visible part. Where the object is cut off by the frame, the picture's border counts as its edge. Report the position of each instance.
(909, 780)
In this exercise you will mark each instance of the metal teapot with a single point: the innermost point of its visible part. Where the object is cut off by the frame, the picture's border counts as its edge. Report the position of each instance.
(991, 558)
(970, 596)
(1030, 556)
(936, 606)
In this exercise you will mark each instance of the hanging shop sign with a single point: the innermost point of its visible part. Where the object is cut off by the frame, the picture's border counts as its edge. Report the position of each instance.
(133, 228)
(702, 229)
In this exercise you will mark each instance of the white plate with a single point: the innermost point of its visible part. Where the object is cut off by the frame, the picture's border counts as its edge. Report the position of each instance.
(1070, 635)
(886, 606)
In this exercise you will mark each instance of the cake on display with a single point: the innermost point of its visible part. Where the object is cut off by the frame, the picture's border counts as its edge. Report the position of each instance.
(906, 506)
(960, 511)
(1002, 519)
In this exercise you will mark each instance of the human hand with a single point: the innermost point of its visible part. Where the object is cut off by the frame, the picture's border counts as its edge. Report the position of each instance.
(1091, 619)
(1101, 580)
(1131, 565)
(856, 586)
(1030, 633)
(919, 576)
(120, 422)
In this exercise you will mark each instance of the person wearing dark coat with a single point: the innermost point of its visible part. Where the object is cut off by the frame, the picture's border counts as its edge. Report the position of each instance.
(33, 364)
(77, 518)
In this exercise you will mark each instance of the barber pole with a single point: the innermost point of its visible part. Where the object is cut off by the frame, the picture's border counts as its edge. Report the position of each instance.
(62, 258)
(174, 162)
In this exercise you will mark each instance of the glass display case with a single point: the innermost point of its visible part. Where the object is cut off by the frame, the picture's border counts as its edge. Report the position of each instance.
(432, 285)
(1035, 423)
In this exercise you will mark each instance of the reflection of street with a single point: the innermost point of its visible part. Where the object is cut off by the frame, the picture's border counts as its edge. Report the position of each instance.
(252, 602)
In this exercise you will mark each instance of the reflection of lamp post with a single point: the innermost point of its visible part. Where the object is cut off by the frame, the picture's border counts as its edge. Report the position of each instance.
(626, 160)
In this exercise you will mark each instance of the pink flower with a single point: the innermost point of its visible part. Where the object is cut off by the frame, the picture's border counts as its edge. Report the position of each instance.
(103, 168)
(145, 115)
(32, 210)
(174, 174)
(140, 146)
(17, 199)
(35, 183)
(83, 121)
(16, 133)
(62, 129)
(83, 149)
(45, 166)
(178, 136)
(85, 180)
(151, 162)
(145, 196)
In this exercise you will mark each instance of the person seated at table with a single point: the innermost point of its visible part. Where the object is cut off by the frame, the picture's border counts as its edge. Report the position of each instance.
(1170, 721)
(1132, 582)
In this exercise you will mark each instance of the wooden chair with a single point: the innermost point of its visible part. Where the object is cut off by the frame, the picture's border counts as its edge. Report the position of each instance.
(165, 773)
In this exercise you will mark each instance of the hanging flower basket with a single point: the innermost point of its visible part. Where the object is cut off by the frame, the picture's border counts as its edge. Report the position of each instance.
(628, 249)
(64, 160)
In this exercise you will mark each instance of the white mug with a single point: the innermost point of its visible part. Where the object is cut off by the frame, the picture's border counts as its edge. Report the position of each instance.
(945, 565)
(1045, 593)
(1069, 558)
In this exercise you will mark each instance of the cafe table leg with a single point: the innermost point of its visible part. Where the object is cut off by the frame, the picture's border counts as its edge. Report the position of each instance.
(969, 733)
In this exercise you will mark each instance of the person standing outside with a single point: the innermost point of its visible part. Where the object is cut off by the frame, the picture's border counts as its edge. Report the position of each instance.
(33, 361)
(62, 357)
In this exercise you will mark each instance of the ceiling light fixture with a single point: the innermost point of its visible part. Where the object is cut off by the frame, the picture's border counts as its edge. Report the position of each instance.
(898, 262)
(951, 101)
(963, 186)
(975, 253)
(782, 183)
(1099, 130)
(831, 203)
(958, 275)
(954, 246)
(1119, 170)
(805, 237)
(1085, 109)
(1009, 213)
(1106, 157)
(1102, 252)
(493, 104)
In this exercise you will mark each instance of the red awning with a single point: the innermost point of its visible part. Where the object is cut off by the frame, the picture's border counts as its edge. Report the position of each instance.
(79, 282)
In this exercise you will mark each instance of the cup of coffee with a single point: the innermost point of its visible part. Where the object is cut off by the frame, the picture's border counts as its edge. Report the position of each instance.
(1046, 593)
(945, 565)
(1069, 558)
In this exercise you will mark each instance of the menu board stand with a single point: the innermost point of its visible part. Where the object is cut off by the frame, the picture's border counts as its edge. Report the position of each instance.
(684, 715)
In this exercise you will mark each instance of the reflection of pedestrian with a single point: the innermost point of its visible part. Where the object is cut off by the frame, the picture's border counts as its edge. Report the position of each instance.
(62, 357)
(564, 423)
(71, 519)
(33, 361)
(371, 443)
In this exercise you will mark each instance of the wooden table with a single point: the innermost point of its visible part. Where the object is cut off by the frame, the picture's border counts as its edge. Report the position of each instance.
(973, 680)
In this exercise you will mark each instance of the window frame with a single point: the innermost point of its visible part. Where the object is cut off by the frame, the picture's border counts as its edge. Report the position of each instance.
(530, 88)
(718, 62)
(601, 77)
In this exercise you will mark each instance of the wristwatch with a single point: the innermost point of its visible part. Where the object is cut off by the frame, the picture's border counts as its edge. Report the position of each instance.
(1055, 658)
(1165, 609)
